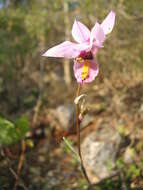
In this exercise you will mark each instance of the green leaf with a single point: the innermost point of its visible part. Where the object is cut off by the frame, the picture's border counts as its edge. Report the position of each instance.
(120, 163)
(70, 148)
(22, 126)
(134, 170)
(10, 133)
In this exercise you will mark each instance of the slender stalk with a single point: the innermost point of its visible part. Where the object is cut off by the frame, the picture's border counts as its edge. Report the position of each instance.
(20, 163)
(78, 136)
(77, 121)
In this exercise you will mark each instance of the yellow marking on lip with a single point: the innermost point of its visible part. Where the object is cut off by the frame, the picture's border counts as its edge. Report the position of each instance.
(85, 70)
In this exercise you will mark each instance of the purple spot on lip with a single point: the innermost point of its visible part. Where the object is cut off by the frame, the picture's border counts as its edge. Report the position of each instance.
(86, 55)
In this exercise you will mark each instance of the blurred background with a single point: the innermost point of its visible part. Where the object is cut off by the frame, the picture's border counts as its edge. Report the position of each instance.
(37, 93)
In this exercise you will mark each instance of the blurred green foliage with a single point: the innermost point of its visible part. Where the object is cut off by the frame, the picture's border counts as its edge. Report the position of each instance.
(12, 132)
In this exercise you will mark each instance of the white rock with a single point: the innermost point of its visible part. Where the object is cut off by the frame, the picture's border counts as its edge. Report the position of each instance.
(99, 151)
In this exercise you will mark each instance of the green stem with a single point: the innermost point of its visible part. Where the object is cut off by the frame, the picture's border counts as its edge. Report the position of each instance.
(78, 136)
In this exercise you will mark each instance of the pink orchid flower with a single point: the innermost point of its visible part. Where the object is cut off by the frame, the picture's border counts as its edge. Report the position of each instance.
(84, 51)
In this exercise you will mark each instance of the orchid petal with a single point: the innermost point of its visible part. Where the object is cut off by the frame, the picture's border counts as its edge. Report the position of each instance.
(108, 23)
(97, 35)
(94, 50)
(80, 32)
(93, 71)
(66, 49)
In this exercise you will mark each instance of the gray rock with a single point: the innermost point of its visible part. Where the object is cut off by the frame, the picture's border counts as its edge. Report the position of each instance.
(65, 117)
(87, 119)
(99, 151)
